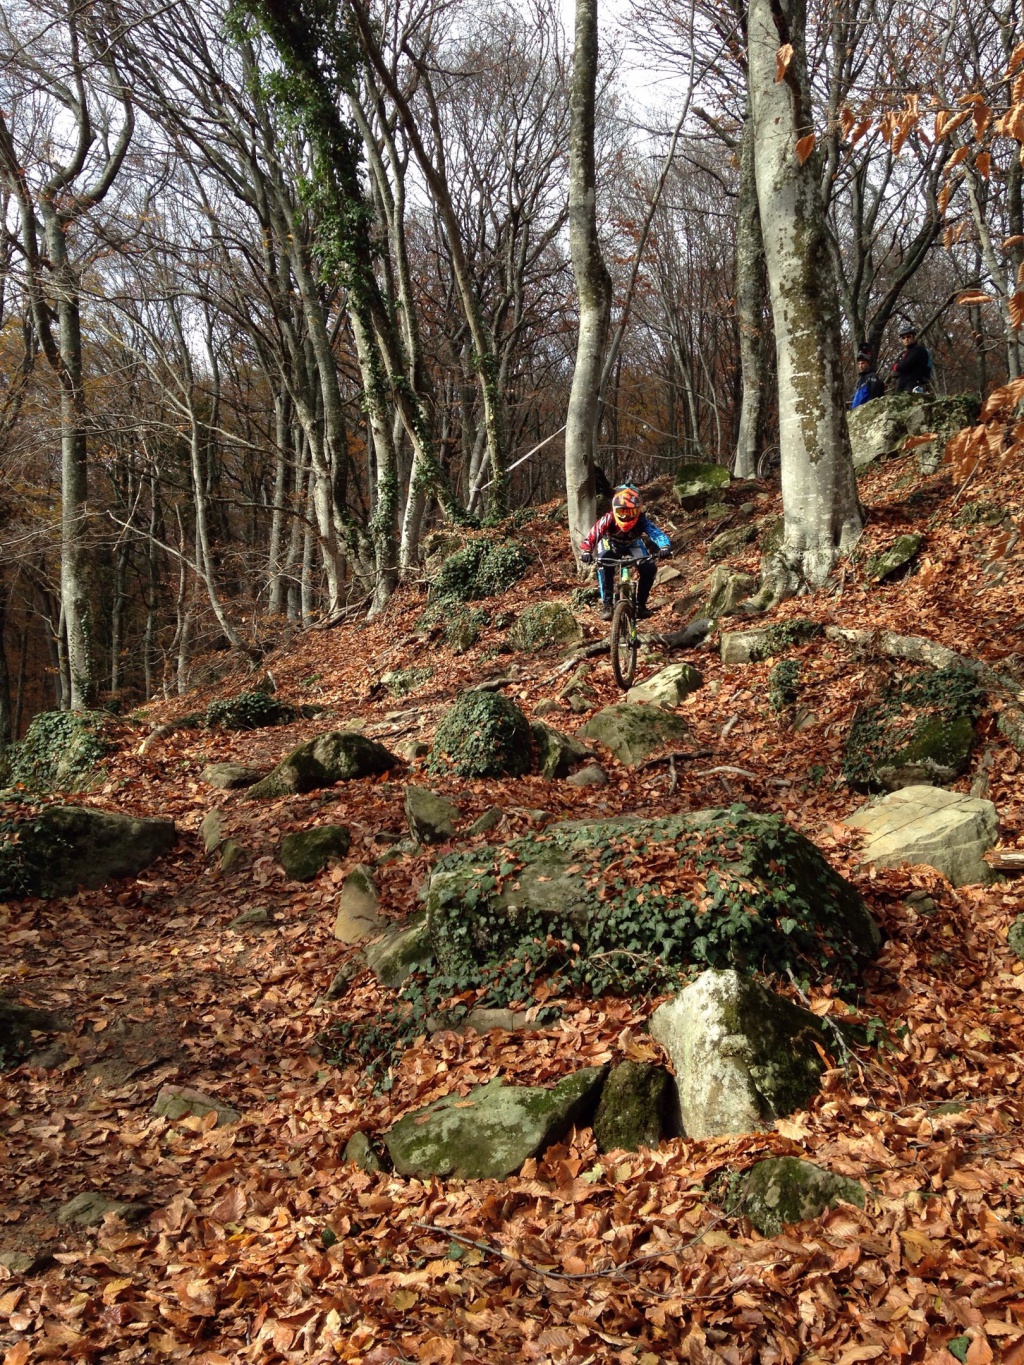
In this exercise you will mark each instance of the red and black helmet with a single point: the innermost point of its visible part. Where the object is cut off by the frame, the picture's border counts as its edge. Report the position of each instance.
(626, 508)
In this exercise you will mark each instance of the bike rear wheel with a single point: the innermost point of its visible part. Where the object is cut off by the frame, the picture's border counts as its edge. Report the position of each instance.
(624, 644)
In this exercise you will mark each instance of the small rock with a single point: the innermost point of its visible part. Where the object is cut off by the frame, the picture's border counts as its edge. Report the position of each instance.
(940, 829)
(24, 1262)
(547, 707)
(731, 542)
(356, 917)
(258, 917)
(483, 824)
(783, 1189)
(359, 1150)
(412, 749)
(699, 481)
(87, 1210)
(667, 688)
(431, 817)
(308, 851)
(897, 556)
(483, 1020)
(543, 625)
(346, 973)
(212, 830)
(178, 1101)
(593, 775)
(556, 753)
(229, 776)
(629, 1115)
(232, 853)
(400, 953)
(728, 590)
(744, 646)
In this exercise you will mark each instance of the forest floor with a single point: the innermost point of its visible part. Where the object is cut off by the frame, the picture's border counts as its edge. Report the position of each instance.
(263, 1244)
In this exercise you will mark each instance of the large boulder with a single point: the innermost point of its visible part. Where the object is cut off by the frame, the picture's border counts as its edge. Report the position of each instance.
(493, 1130)
(632, 1109)
(785, 1189)
(431, 817)
(557, 754)
(482, 734)
(941, 829)
(633, 732)
(62, 751)
(667, 688)
(542, 625)
(695, 483)
(715, 887)
(307, 852)
(65, 847)
(882, 427)
(743, 1056)
(338, 756)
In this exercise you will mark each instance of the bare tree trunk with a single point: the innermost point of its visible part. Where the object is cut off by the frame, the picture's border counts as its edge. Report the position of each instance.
(276, 600)
(593, 283)
(823, 516)
(751, 299)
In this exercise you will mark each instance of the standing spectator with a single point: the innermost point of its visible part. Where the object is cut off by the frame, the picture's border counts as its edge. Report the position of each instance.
(869, 386)
(913, 369)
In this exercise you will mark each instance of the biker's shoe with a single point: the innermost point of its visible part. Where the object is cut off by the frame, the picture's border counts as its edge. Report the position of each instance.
(644, 613)
(605, 611)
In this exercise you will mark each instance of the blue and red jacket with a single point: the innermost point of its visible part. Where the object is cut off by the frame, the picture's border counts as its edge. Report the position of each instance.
(606, 529)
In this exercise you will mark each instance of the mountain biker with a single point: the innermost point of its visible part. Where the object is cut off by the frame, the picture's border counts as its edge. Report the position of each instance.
(869, 386)
(913, 369)
(623, 533)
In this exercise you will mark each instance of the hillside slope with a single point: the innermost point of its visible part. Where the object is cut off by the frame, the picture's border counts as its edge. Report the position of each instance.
(263, 1243)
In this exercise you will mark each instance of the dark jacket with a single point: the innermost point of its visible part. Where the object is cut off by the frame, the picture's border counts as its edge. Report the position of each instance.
(913, 369)
(870, 387)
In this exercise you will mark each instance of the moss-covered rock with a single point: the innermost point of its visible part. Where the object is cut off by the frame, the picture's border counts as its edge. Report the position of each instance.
(483, 734)
(921, 730)
(896, 557)
(882, 427)
(765, 642)
(742, 1055)
(489, 1133)
(758, 895)
(483, 567)
(399, 682)
(308, 851)
(1015, 936)
(230, 776)
(697, 482)
(431, 817)
(339, 756)
(731, 542)
(784, 685)
(544, 625)
(402, 951)
(557, 754)
(60, 848)
(62, 751)
(633, 732)
(630, 1114)
(180, 1101)
(783, 1189)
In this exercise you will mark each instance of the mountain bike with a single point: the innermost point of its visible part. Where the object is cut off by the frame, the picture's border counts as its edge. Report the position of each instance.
(624, 640)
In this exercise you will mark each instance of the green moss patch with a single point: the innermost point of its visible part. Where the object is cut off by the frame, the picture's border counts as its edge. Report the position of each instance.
(62, 751)
(543, 625)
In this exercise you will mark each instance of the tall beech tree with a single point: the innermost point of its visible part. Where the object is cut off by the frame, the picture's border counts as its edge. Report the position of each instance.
(823, 516)
(593, 283)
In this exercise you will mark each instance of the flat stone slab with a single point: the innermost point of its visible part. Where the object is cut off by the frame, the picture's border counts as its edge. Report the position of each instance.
(493, 1130)
(667, 688)
(941, 829)
(178, 1101)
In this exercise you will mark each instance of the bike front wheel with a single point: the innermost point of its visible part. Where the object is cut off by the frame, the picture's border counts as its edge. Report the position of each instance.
(624, 644)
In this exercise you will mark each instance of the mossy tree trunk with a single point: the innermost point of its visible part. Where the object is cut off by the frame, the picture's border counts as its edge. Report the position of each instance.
(823, 516)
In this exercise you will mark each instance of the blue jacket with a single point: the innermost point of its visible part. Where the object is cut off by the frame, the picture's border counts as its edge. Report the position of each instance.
(870, 387)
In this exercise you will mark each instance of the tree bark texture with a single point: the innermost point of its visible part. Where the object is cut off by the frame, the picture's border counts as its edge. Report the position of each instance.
(822, 512)
(593, 283)
(751, 307)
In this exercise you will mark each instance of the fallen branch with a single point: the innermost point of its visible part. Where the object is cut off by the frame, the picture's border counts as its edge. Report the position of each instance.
(734, 772)
(1007, 860)
(674, 754)
(693, 634)
(587, 652)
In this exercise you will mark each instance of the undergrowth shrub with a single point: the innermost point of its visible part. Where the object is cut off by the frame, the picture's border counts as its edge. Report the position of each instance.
(783, 685)
(482, 734)
(931, 714)
(482, 568)
(248, 711)
(61, 751)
